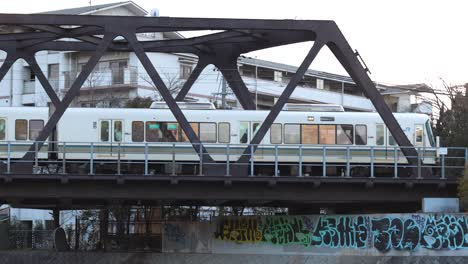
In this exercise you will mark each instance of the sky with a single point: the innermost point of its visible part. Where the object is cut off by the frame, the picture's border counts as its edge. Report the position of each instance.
(402, 41)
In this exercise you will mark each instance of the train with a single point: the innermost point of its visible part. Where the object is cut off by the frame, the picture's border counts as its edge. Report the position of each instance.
(134, 135)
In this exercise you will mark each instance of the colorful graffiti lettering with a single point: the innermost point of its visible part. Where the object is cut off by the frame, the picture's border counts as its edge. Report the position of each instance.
(239, 230)
(443, 232)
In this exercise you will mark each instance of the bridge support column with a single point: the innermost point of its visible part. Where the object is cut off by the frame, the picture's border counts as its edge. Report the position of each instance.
(56, 216)
(103, 228)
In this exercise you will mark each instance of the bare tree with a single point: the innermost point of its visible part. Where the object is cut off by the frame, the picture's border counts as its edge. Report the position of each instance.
(172, 81)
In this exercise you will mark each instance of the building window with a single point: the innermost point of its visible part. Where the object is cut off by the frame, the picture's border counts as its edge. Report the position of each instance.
(185, 71)
(276, 134)
(21, 129)
(224, 133)
(53, 75)
(292, 133)
(344, 134)
(361, 135)
(118, 71)
(2, 129)
(208, 132)
(138, 131)
(35, 127)
(278, 77)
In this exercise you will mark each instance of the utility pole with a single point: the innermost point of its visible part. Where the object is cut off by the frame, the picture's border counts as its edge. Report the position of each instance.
(256, 94)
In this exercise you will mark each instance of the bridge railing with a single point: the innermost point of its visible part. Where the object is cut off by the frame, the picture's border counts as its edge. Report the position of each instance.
(167, 158)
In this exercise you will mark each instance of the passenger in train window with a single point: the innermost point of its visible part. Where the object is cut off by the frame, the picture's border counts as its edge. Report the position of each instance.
(170, 132)
(118, 131)
(153, 132)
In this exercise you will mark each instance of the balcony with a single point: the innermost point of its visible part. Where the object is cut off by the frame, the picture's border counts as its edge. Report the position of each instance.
(106, 78)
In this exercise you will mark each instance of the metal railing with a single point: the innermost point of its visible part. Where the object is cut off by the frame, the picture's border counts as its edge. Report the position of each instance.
(166, 158)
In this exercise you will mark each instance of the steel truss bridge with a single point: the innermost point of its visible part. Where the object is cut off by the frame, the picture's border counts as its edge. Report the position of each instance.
(25, 35)
(106, 172)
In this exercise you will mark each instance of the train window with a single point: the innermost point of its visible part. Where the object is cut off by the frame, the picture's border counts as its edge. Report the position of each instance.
(255, 128)
(170, 132)
(419, 135)
(105, 131)
(344, 134)
(153, 131)
(2, 129)
(184, 137)
(309, 134)
(327, 134)
(292, 133)
(361, 135)
(379, 135)
(275, 134)
(391, 141)
(138, 131)
(243, 132)
(35, 127)
(208, 132)
(117, 131)
(224, 133)
(21, 129)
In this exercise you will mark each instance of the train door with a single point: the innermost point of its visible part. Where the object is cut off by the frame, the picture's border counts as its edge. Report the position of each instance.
(247, 131)
(3, 137)
(419, 138)
(111, 132)
(381, 143)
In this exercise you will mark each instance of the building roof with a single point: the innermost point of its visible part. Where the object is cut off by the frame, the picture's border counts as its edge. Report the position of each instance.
(86, 10)
(290, 68)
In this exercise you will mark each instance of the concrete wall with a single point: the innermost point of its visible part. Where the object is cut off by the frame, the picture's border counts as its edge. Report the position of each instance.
(364, 235)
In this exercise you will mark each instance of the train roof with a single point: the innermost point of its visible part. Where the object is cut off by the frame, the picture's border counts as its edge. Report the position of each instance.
(251, 114)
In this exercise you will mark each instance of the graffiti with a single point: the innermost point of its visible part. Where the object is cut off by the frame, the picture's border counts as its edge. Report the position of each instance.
(395, 233)
(446, 232)
(239, 230)
(383, 233)
(335, 232)
(285, 231)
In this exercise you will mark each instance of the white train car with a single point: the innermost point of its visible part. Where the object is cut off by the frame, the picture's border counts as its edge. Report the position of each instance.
(125, 132)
